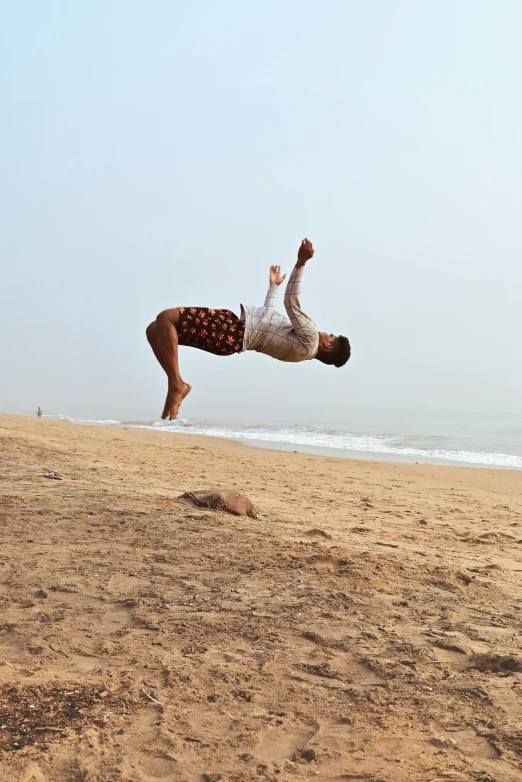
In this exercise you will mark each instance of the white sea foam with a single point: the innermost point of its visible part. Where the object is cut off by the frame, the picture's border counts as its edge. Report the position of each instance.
(102, 422)
(312, 437)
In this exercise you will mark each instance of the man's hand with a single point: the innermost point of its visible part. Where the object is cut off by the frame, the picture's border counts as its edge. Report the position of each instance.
(276, 278)
(306, 251)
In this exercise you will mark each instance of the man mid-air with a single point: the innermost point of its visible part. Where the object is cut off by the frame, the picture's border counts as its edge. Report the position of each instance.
(259, 328)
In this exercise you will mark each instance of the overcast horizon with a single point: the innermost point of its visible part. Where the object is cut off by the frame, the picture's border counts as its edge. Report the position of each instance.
(157, 155)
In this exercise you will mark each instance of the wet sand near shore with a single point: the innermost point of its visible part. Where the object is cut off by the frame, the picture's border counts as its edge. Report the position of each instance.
(367, 626)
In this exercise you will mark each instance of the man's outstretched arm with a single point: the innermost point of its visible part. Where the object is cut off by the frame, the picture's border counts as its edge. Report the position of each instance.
(276, 278)
(304, 326)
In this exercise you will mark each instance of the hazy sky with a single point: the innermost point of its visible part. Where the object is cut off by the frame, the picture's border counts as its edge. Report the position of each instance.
(164, 153)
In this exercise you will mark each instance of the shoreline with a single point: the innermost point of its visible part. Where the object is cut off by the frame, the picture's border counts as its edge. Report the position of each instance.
(277, 447)
(368, 456)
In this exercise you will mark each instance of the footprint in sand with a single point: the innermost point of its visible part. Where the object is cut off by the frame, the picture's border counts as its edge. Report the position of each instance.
(317, 533)
(327, 562)
(496, 663)
(278, 744)
(32, 774)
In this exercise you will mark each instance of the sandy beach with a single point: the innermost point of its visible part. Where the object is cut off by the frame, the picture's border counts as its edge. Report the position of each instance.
(367, 626)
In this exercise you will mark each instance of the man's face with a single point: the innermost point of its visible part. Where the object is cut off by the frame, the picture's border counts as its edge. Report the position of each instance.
(326, 342)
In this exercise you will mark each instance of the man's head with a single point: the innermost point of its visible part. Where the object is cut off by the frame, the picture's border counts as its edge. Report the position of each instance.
(333, 350)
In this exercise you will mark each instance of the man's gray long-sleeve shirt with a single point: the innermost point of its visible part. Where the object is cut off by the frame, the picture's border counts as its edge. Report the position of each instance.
(288, 339)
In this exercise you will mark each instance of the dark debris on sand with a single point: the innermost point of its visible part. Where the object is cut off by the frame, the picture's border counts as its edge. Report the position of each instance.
(36, 715)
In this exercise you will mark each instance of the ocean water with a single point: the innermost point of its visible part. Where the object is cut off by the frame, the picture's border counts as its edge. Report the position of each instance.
(481, 441)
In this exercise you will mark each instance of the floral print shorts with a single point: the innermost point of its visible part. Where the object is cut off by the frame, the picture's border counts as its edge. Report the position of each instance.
(216, 331)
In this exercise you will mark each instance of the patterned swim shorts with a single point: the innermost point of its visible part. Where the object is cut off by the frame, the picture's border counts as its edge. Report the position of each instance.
(216, 331)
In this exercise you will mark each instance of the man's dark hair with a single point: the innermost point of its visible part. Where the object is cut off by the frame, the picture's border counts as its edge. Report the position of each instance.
(339, 354)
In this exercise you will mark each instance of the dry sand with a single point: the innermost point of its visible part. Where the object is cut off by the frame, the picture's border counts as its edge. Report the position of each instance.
(367, 626)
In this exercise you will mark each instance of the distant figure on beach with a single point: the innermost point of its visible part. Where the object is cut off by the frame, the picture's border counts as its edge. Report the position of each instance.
(39, 413)
(259, 328)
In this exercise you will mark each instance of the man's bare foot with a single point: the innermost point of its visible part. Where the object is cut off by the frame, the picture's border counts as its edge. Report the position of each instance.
(174, 399)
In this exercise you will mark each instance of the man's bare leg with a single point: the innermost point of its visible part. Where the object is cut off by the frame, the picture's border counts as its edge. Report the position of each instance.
(163, 338)
(153, 341)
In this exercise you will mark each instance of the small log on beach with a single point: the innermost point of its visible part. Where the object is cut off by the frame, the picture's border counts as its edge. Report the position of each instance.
(218, 499)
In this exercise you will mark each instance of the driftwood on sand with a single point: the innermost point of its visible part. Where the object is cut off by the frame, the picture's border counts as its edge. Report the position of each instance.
(225, 500)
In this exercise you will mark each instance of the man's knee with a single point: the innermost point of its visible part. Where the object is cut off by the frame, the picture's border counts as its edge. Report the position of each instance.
(150, 331)
(168, 316)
